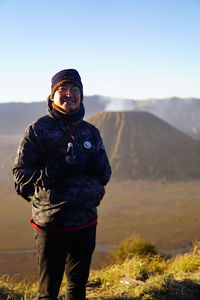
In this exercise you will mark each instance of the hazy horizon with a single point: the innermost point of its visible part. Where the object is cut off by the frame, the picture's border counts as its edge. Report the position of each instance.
(103, 96)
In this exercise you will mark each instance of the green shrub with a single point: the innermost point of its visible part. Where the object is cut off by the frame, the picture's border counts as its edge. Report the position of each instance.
(130, 247)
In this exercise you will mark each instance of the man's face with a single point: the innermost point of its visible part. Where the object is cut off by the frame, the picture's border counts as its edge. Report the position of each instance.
(68, 97)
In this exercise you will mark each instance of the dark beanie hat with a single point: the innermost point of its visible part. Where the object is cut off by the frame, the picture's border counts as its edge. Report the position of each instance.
(68, 75)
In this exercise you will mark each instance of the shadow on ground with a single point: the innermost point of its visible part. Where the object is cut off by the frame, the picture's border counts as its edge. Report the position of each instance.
(177, 290)
(170, 290)
(6, 294)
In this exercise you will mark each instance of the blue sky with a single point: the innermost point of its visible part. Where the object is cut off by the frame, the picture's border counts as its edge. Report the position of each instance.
(135, 49)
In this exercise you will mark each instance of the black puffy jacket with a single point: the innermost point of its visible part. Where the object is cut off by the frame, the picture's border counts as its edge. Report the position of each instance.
(67, 191)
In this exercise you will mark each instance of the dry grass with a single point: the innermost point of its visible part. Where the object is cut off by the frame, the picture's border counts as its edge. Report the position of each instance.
(138, 278)
(145, 278)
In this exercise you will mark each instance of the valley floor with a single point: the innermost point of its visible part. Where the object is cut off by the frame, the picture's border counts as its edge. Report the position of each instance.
(163, 213)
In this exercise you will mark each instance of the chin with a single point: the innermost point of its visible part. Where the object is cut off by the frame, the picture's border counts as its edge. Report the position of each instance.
(69, 110)
(67, 107)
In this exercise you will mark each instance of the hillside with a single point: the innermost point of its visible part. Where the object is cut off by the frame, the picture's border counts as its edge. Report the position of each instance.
(141, 145)
(183, 114)
(136, 278)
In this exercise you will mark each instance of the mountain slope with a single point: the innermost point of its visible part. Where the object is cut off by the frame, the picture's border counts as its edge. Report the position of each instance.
(140, 145)
(184, 114)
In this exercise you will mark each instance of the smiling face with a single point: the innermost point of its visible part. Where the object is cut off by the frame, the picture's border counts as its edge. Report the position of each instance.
(67, 97)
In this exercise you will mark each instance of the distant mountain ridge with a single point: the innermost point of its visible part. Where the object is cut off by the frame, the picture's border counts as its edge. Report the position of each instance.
(15, 116)
(184, 114)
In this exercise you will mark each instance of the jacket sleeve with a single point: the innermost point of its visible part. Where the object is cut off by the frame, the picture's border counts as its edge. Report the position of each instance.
(29, 167)
(26, 169)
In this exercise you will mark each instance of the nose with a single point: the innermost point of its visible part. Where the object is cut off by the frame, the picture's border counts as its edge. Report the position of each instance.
(68, 92)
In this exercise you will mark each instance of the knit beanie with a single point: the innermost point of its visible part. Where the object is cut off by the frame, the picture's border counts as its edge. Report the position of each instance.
(68, 75)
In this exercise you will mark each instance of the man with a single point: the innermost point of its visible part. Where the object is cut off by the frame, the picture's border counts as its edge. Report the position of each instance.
(62, 166)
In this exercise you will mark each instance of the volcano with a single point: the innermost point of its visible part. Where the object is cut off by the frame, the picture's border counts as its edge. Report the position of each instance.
(141, 145)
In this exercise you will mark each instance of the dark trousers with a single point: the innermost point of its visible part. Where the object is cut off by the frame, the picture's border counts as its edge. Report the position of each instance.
(69, 252)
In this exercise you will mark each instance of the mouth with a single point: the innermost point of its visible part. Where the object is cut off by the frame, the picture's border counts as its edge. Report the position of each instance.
(68, 100)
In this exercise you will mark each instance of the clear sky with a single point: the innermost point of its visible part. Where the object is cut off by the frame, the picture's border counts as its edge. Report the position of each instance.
(135, 49)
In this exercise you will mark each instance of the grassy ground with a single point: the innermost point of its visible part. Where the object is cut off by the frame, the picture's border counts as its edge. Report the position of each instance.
(137, 278)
